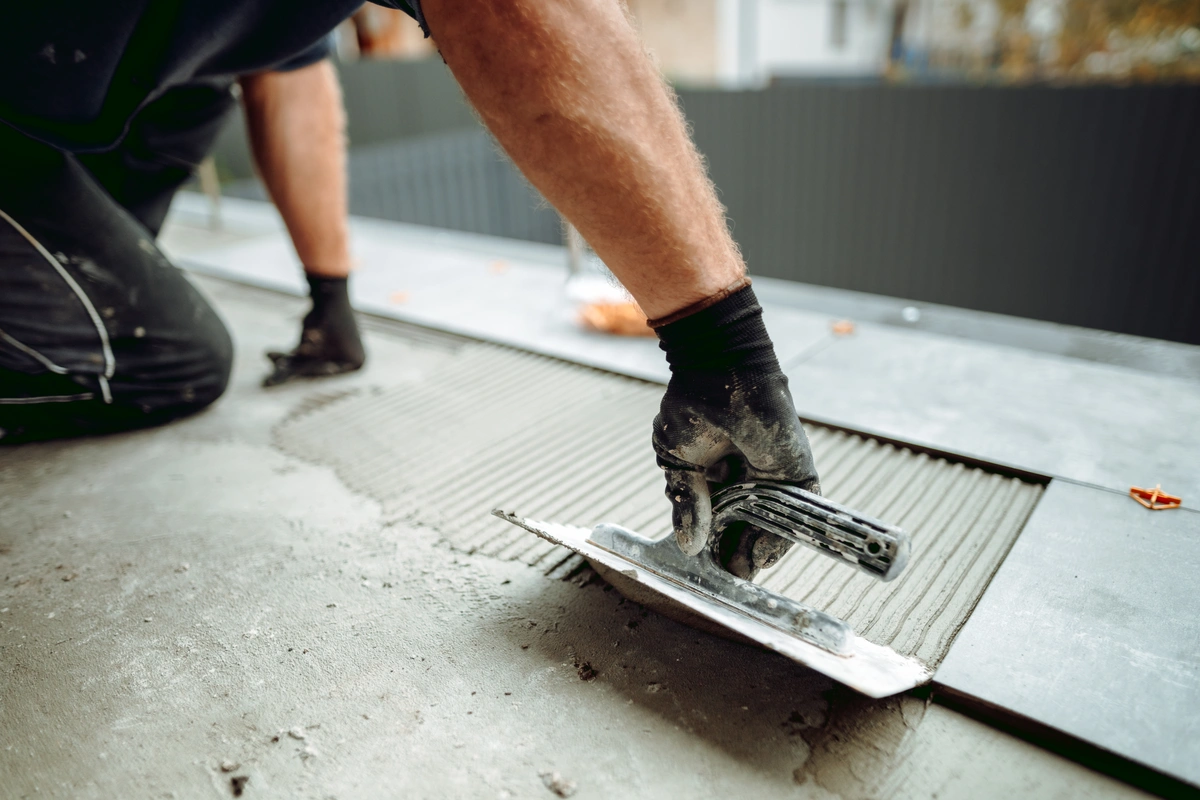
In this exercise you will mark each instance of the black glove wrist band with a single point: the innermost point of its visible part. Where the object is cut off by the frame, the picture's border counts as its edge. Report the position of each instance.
(700, 305)
(327, 292)
(728, 335)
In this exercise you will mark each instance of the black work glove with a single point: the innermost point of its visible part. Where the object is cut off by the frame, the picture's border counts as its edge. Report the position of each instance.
(727, 417)
(329, 341)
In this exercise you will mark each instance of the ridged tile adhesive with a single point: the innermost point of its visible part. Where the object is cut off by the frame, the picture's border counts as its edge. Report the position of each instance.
(495, 427)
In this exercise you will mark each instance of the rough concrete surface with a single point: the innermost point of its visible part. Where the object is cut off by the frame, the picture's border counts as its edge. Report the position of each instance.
(189, 612)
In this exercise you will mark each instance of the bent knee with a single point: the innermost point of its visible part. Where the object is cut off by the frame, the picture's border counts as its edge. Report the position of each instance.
(207, 375)
(176, 379)
(218, 367)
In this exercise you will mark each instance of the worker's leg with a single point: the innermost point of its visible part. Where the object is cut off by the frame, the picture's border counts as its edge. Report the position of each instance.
(98, 331)
(570, 94)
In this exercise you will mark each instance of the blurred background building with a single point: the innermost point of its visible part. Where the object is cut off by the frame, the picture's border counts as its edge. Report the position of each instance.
(737, 43)
(1039, 158)
(1061, 40)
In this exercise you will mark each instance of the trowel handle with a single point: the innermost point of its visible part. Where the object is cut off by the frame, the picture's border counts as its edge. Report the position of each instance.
(878, 549)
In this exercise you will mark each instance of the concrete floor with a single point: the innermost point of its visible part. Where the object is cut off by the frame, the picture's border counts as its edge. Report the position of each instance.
(186, 607)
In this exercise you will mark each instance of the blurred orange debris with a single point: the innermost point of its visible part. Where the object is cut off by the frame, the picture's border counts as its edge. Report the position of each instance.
(498, 267)
(621, 319)
(843, 327)
(1155, 499)
(398, 298)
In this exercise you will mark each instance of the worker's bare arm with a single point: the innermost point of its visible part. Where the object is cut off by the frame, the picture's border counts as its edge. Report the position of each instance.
(568, 91)
(297, 132)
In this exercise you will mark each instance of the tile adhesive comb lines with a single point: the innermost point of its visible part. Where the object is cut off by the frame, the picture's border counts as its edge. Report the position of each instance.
(499, 427)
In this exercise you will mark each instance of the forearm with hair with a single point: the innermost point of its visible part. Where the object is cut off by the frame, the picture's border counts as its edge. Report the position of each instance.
(297, 133)
(570, 94)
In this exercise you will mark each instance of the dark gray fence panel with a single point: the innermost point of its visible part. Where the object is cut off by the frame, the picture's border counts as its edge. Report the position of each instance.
(385, 101)
(458, 180)
(1077, 205)
(400, 99)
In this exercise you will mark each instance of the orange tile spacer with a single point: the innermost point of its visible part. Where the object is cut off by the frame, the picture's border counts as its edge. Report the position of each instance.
(1155, 499)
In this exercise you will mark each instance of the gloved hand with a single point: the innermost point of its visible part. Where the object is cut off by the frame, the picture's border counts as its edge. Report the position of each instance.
(329, 341)
(727, 417)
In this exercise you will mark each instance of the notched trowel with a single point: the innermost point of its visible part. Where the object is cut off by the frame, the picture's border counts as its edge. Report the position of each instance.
(710, 597)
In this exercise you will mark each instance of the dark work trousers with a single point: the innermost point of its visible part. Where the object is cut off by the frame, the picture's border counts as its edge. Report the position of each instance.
(98, 330)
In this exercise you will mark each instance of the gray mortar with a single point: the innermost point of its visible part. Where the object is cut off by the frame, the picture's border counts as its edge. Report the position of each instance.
(564, 443)
(277, 599)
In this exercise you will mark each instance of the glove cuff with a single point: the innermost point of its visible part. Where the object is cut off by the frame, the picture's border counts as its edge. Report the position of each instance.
(711, 300)
(728, 334)
(327, 292)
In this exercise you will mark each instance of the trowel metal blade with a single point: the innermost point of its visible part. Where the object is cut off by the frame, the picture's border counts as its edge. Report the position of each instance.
(746, 610)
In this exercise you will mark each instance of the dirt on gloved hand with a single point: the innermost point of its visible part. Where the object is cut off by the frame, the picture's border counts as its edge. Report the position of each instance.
(727, 416)
(330, 343)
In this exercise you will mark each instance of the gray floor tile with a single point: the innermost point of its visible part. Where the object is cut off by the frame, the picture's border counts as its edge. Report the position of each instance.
(1092, 627)
(1094, 423)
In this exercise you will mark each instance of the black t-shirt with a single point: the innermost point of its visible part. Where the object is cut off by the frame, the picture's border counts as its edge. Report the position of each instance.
(74, 72)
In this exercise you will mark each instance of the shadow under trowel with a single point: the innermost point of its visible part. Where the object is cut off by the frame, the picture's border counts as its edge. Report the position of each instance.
(777, 716)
